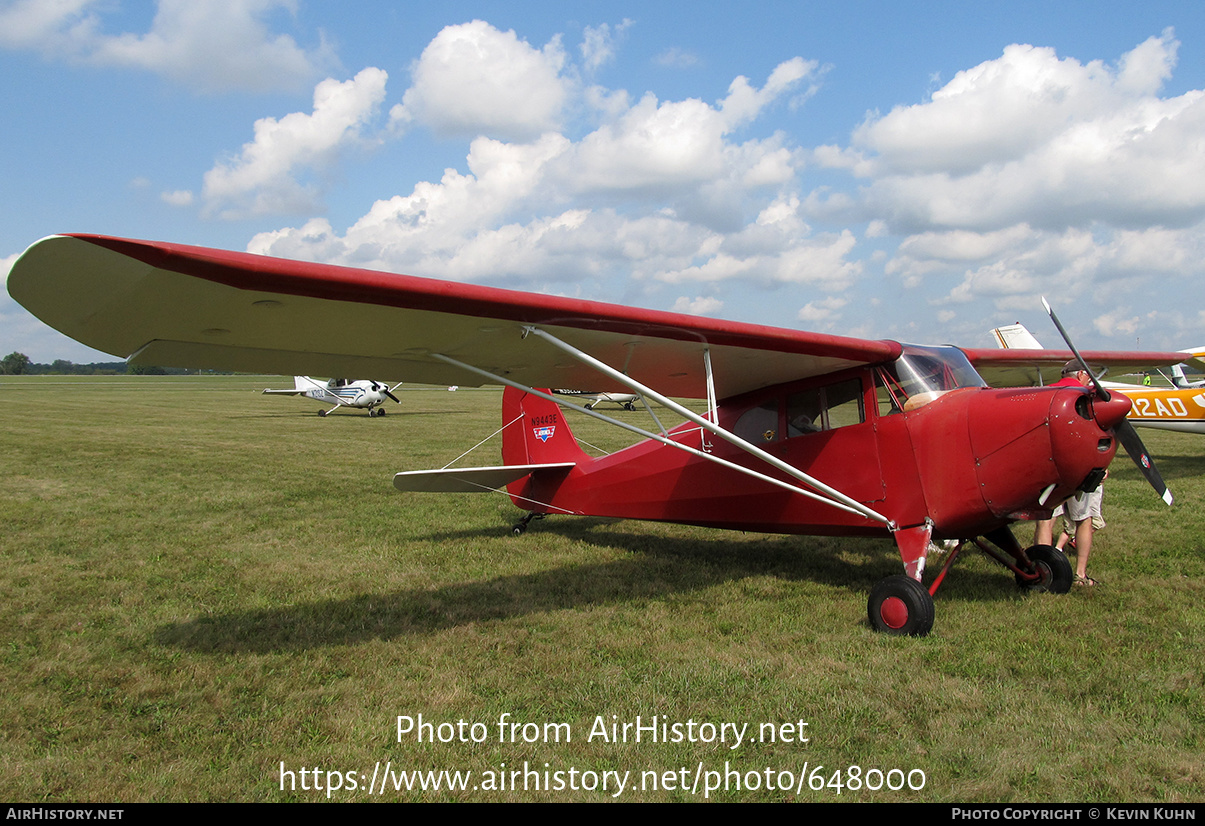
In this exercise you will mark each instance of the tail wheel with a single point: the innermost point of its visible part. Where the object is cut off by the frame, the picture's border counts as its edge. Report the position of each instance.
(900, 605)
(1053, 570)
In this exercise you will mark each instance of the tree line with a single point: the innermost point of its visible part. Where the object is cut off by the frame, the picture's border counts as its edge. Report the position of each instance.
(19, 364)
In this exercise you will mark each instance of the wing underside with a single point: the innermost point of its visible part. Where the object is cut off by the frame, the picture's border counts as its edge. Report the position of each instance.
(172, 305)
(1026, 368)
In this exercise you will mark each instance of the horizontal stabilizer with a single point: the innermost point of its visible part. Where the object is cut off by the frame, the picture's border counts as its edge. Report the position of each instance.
(468, 479)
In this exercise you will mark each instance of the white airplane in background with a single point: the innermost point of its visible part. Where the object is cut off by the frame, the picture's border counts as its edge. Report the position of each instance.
(625, 400)
(342, 393)
(1178, 378)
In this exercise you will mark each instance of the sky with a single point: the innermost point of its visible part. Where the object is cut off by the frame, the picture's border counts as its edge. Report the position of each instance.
(916, 171)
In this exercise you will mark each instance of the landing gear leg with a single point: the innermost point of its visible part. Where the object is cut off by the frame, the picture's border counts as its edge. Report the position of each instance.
(1037, 568)
(901, 604)
(1052, 569)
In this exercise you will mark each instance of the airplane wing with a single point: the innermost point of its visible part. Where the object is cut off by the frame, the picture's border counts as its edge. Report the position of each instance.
(1021, 368)
(1022, 361)
(174, 305)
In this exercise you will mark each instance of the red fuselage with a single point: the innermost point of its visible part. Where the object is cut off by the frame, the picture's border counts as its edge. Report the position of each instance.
(969, 459)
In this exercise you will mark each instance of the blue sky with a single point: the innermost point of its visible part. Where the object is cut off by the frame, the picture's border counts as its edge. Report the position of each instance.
(887, 170)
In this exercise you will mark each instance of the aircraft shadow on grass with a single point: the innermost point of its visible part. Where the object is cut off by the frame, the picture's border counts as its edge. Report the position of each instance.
(656, 568)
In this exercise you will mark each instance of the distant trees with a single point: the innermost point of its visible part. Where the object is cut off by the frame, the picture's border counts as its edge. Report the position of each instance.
(14, 364)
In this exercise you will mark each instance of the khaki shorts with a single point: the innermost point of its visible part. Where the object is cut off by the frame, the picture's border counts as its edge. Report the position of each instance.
(1080, 507)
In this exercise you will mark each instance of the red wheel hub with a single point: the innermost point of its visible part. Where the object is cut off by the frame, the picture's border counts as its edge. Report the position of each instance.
(894, 612)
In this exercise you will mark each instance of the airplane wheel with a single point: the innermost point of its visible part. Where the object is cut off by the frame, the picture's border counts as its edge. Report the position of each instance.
(322, 413)
(629, 406)
(518, 528)
(381, 412)
(371, 413)
(900, 605)
(1054, 569)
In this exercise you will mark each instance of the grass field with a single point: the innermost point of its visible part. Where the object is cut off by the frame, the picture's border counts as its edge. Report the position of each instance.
(202, 584)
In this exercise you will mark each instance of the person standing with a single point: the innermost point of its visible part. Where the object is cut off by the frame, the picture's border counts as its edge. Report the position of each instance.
(1081, 512)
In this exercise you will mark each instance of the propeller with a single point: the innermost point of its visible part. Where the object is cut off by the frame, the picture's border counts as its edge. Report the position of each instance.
(1123, 429)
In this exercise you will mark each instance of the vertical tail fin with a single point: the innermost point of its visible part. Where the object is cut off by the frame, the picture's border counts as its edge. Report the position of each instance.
(535, 432)
(1015, 337)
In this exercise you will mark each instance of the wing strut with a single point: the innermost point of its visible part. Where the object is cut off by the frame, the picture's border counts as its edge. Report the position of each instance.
(662, 439)
(713, 427)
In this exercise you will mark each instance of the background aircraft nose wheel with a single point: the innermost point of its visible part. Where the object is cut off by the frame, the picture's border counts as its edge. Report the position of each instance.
(900, 605)
(1053, 568)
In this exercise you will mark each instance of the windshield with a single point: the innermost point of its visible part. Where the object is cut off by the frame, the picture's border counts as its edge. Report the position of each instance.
(924, 373)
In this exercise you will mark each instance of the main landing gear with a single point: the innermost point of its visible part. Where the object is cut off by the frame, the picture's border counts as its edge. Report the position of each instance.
(1051, 572)
(902, 605)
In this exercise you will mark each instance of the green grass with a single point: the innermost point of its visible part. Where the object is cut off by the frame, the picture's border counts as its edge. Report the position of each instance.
(202, 583)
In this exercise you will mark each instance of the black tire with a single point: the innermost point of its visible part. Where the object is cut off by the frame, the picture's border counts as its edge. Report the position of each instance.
(1054, 569)
(322, 413)
(629, 406)
(381, 411)
(900, 605)
(518, 529)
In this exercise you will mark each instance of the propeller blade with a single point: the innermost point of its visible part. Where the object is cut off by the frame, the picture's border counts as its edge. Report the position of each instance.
(389, 393)
(1100, 389)
(1123, 430)
(1133, 444)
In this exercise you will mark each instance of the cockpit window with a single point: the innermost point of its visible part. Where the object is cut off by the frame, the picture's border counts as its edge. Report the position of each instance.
(808, 411)
(825, 408)
(920, 375)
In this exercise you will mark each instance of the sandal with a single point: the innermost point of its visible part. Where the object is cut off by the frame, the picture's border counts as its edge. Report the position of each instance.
(1086, 581)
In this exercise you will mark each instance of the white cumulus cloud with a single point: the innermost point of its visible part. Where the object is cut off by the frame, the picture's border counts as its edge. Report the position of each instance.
(473, 79)
(210, 46)
(264, 177)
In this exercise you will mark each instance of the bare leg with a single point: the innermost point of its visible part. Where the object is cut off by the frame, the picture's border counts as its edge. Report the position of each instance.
(1043, 532)
(1083, 546)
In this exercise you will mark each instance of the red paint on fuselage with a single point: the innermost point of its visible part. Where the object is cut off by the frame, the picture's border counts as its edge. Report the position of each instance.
(970, 460)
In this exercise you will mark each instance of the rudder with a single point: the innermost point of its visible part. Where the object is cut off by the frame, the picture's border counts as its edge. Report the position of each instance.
(535, 432)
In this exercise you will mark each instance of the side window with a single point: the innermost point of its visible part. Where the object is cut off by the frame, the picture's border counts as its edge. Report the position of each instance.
(825, 408)
(805, 413)
(844, 402)
(759, 424)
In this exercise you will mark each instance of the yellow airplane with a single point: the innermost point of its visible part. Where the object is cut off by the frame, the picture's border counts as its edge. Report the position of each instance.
(1180, 407)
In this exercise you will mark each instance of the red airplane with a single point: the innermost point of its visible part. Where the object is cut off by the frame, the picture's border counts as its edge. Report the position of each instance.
(804, 433)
